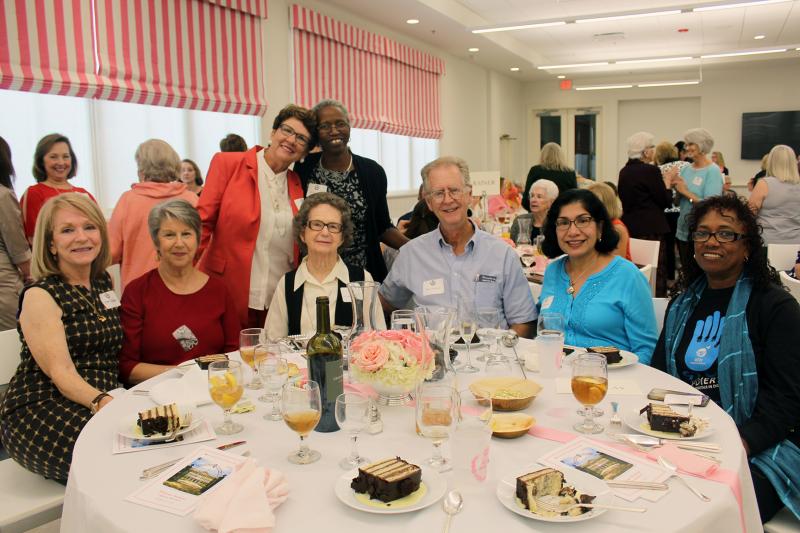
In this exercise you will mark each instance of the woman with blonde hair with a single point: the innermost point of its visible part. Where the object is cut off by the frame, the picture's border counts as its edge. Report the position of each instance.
(614, 208)
(71, 336)
(553, 166)
(158, 168)
(776, 198)
(718, 159)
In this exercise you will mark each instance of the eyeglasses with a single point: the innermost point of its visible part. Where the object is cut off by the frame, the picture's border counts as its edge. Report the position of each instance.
(456, 193)
(318, 225)
(724, 235)
(583, 221)
(328, 126)
(288, 131)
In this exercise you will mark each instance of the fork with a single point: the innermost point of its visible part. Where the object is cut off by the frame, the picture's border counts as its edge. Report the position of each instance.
(553, 505)
(187, 420)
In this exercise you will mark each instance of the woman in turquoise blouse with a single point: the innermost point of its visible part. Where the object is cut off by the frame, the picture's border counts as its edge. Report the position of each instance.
(604, 298)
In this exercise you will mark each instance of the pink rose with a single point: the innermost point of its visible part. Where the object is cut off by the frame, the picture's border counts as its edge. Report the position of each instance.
(361, 340)
(371, 358)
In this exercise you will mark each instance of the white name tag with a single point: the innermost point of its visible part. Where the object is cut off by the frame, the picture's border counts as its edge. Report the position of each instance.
(109, 300)
(345, 295)
(433, 286)
(314, 188)
(698, 181)
(298, 202)
(547, 302)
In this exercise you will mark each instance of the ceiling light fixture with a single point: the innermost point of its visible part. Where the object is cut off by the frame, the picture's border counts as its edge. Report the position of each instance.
(574, 65)
(654, 60)
(412, 21)
(561, 76)
(520, 27)
(473, 50)
(602, 87)
(668, 83)
(629, 16)
(514, 69)
(759, 37)
(750, 53)
(740, 4)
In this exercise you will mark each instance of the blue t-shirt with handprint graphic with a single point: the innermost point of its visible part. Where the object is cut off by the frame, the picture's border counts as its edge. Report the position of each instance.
(698, 350)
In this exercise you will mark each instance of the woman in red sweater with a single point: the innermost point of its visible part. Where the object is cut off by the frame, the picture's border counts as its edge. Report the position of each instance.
(174, 312)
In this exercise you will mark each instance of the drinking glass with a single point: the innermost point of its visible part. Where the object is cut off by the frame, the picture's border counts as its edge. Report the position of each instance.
(352, 415)
(225, 388)
(488, 319)
(345, 331)
(404, 319)
(302, 409)
(496, 366)
(589, 386)
(467, 326)
(252, 352)
(550, 342)
(436, 413)
(471, 438)
(274, 373)
(527, 257)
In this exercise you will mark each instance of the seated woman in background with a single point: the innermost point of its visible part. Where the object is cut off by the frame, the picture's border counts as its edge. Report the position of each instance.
(614, 209)
(604, 299)
(191, 176)
(174, 312)
(542, 194)
(732, 333)
(776, 198)
(158, 168)
(71, 335)
(322, 227)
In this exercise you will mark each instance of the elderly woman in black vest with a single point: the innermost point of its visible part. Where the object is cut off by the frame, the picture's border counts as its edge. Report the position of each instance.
(322, 227)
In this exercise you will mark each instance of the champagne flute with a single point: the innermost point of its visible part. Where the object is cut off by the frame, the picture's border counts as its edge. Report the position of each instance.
(589, 386)
(274, 372)
(302, 409)
(467, 327)
(225, 388)
(436, 412)
(352, 415)
(252, 352)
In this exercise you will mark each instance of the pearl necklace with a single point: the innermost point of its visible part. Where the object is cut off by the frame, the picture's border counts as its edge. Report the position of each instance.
(339, 172)
(573, 281)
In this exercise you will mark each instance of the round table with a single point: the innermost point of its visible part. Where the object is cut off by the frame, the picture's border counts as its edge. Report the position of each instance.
(99, 481)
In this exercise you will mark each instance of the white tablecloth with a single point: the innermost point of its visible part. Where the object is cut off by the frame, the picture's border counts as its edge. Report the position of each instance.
(99, 481)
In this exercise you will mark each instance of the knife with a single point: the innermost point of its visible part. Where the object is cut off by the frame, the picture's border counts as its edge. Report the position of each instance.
(153, 471)
(646, 485)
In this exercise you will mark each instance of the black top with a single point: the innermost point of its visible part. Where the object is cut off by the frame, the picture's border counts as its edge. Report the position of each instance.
(372, 179)
(773, 316)
(564, 179)
(644, 198)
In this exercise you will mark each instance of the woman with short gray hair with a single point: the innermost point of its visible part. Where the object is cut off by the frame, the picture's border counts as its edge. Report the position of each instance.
(158, 166)
(698, 181)
(322, 227)
(174, 312)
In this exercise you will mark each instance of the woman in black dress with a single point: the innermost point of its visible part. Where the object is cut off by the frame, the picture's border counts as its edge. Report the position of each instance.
(71, 335)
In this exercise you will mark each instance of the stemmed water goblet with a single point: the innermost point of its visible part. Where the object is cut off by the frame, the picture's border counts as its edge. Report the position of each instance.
(352, 415)
(302, 409)
(436, 413)
(488, 327)
(274, 373)
(225, 389)
(589, 386)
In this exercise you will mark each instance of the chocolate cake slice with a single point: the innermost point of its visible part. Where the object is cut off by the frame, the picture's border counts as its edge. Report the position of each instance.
(611, 352)
(544, 482)
(662, 418)
(387, 480)
(205, 360)
(162, 419)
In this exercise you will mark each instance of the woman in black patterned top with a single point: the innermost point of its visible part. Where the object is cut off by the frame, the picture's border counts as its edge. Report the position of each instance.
(361, 182)
(71, 336)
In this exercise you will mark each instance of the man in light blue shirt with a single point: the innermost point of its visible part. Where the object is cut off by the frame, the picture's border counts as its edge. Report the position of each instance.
(456, 260)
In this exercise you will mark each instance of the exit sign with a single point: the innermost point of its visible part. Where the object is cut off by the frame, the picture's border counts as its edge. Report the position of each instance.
(565, 85)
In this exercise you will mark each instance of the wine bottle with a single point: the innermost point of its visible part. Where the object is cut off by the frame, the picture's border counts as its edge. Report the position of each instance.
(324, 351)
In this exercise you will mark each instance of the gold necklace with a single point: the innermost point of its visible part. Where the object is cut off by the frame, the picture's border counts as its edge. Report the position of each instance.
(91, 303)
(572, 282)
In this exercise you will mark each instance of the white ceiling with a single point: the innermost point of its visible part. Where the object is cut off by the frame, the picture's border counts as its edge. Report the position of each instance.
(446, 24)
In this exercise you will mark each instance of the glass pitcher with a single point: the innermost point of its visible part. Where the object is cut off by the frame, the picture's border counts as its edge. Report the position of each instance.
(436, 322)
(524, 224)
(366, 306)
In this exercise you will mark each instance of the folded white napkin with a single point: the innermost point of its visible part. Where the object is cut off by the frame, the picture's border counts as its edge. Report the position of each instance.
(191, 388)
(245, 501)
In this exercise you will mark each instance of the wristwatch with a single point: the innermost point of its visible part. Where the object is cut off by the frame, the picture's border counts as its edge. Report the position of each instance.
(95, 405)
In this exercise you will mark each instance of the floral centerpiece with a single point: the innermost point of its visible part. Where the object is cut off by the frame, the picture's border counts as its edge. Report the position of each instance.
(393, 362)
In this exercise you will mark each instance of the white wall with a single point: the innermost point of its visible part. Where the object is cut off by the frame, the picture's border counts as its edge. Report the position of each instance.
(724, 95)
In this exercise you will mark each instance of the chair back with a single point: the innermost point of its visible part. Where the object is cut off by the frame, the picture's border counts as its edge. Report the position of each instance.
(9, 354)
(646, 253)
(650, 273)
(113, 271)
(782, 256)
(660, 308)
(792, 284)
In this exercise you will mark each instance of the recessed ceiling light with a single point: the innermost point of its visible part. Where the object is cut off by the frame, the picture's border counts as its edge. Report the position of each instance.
(473, 49)
(412, 21)
(751, 53)
(629, 16)
(561, 76)
(514, 69)
(574, 65)
(602, 87)
(759, 37)
(520, 27)
(668, 83)
(739, 4)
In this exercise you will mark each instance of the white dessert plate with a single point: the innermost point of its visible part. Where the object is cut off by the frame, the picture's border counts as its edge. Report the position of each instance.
(128, 427)
(435, 486)
(584, 483)
(628, 358)
(186, 366)
(638, 422)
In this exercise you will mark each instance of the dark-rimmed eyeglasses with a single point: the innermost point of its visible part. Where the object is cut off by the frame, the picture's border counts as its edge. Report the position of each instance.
(299, 138)
(583, 221)
(318, 225)
(724, 235)
(328, 126)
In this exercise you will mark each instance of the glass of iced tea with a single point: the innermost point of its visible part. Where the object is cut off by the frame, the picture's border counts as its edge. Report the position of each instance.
(302, 408)
(225, 388)
(436, 413)
(253, 351)
(589, 386)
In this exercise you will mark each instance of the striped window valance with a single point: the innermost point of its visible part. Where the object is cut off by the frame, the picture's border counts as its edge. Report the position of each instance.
(386, 86)
(193, 54)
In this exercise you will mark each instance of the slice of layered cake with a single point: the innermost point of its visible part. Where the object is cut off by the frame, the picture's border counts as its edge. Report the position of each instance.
(611, 352)
(205, 360)
(387, 480)
(162, 419)
(662, 418)
(544, 482)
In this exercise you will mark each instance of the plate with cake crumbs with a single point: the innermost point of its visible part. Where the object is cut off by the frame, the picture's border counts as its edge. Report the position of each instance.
(663, 421)
(519, 490)
(390, 486)
(616, 358)
(157, 423)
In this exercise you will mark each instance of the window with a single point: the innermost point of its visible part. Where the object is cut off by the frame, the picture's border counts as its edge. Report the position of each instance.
(401, 157)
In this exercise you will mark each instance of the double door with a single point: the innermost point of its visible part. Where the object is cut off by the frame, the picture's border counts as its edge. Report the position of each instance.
(575, 130)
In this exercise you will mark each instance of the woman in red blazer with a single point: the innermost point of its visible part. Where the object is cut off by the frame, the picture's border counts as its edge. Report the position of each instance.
(247, 208)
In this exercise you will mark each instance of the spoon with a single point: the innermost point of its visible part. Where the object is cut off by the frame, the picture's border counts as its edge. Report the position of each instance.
(669, 466)
(452, 504)
(510, 339)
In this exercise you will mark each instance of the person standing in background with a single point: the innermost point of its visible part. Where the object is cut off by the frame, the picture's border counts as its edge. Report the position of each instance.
(191, 176)
(718, 159)
(776, 198)
(232, 143)
(552, 166)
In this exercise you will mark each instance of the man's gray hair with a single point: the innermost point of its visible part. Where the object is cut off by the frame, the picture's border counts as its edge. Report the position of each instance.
(701, 137)
(179, 210)
(638, 143)
(446, 160)
(330, 102)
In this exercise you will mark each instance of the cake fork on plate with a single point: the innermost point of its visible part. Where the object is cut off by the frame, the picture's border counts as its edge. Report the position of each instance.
(553, 504)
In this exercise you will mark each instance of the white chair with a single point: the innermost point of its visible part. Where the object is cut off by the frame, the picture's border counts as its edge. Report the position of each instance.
(650, 273)
(113, 271)
(646, 253)
(783, 522)
(9, 355)
(782, 256)
(792, 284)
(660, 308)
